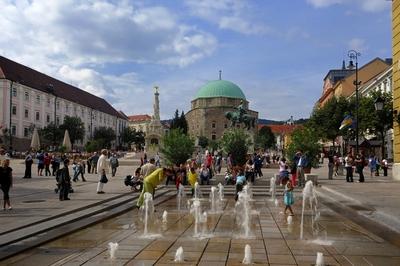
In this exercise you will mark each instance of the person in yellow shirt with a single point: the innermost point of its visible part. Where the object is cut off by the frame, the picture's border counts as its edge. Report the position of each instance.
(192, 176)
(151, 181)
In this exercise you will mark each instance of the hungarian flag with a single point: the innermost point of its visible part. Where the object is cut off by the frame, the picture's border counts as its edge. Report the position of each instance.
(347, 122)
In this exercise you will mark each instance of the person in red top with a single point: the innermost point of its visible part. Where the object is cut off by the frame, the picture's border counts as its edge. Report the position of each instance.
(47, 161)
(209, 161)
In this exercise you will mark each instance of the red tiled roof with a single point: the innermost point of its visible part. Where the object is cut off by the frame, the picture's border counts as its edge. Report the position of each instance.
(139, 118)
(29, 77)
(280, 129)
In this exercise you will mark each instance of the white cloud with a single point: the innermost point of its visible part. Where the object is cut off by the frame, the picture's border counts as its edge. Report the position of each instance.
(357, 44)
(365, 5)
(374, 5)
(323, 3)
(227, 14)
(97, 32)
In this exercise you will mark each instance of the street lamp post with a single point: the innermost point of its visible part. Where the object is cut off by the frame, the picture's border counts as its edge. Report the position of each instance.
(353, 55)
(379, 105)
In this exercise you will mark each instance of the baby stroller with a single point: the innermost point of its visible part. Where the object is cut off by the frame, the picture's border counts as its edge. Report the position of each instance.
(135, 183)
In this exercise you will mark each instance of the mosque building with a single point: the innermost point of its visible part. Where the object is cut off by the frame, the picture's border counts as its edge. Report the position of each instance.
(208, 108)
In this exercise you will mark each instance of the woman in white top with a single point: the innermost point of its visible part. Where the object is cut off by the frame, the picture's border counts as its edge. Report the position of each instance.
(102, 168)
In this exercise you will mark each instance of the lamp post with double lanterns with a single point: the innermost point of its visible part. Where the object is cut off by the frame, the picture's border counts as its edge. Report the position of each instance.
(353, 55)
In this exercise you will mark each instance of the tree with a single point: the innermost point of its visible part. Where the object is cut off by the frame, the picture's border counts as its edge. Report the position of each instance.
(203, 142)
(130, 135)
(305, 139)
(236, 142)
(104, 136)
(179, 122)
(177, 147)
(265, 138)
(326, 120)
(75, 127)
(51, 133)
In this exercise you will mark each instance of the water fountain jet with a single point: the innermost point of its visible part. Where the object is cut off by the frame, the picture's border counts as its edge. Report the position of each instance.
(179, 255)
(113, 247)
(248, 257)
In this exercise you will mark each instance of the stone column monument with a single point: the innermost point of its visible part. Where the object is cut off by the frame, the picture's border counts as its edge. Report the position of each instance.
(155, 130)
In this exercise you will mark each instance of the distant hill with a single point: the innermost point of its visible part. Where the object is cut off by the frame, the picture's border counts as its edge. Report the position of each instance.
(274, 122)
(269, 122)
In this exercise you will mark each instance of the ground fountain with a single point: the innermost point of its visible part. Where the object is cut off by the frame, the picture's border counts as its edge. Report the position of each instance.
(112, 247)
(289, 219)
(248, 257)
(243, 212)
(195, 210)
(181, 197)
(197, 191)
(214, 200)
(310, 195)
(165, 217)
(320, 259)
(203, 221)
(179, 255)
(220, 192)
(148, 210)
(272, 188)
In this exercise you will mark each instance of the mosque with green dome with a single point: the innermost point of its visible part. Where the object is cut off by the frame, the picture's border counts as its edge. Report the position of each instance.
(207, 115)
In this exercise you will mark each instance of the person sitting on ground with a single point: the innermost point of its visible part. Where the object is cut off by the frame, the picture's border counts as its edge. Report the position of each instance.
(240, 182)
(204, 175)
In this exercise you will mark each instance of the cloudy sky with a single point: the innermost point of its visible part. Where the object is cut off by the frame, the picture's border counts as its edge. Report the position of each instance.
(277, 51)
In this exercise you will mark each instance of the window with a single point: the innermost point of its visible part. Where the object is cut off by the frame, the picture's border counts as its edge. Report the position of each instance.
(26, 132)
(48, 102)
(26, 96)
(13, 130)
(14, 110)
(14, 92)
(213, 124)
(225, 126)
(37, 99)
(58, 105)
(48, 118)
(83, 113)
(75, 110)
(26, 113)
(213, 137)
(57, 120)
(37, 116)
(67, 107)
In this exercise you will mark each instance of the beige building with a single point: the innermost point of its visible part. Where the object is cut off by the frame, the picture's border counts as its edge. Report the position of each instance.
(139, 122)
(207, 115)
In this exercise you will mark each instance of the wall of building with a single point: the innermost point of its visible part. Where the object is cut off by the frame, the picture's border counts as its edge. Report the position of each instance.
(396, 83)
(36, 108)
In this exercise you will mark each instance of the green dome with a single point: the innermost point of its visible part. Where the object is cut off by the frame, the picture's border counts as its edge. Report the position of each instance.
(220, 88)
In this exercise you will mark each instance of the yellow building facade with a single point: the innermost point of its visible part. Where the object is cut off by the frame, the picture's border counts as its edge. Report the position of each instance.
(396, 84)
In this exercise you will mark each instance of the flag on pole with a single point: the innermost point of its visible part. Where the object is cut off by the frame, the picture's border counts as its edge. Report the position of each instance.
(347, 122)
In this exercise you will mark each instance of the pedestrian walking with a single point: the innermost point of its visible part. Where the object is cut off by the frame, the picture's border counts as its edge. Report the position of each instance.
(288, 198)
(94, 161)
(40, 158)
(302, 163)
(55, 164)
(64, 181)
(28, 165)
(102, 168)
(372, 164)
(331, 164)
(385, 167)
(349, 167)
(114, 164)
(6, 182)
(47, 161)
(360, 163)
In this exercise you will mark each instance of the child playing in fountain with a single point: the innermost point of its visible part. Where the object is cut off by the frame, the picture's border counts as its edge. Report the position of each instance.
(240, 182)
(288, 198)
(192, 176)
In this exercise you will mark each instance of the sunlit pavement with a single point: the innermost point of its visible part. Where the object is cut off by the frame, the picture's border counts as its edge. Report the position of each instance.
(342, 241)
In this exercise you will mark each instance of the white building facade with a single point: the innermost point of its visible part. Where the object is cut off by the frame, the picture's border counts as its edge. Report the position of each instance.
(32, 99)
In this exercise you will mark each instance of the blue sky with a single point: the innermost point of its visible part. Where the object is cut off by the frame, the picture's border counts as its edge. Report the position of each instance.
(277, 51)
